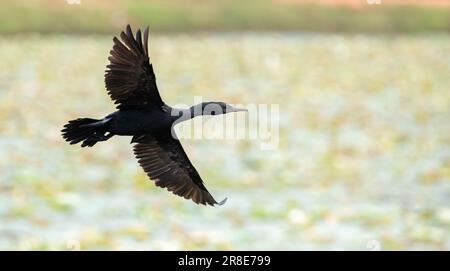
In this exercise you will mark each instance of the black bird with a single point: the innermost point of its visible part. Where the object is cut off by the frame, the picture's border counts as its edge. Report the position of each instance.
(142, 114)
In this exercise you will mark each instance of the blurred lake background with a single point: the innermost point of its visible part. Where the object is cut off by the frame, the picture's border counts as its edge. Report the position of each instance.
(364, 155)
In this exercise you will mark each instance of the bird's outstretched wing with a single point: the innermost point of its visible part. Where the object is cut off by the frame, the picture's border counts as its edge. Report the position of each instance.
(129, 78)
(163, 159)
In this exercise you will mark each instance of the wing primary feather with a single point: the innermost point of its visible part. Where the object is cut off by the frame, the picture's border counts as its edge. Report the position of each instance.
(146, 41)
(129, 43)
(132, 39)
(139, 40)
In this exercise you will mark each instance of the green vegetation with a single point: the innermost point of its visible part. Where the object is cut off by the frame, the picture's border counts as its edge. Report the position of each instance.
(96, 16)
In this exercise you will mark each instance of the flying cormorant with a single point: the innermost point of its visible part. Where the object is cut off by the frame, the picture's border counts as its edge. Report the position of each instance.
(141, 113)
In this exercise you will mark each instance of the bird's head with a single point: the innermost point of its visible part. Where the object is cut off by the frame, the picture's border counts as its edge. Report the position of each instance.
(219, 108)
(203, 109)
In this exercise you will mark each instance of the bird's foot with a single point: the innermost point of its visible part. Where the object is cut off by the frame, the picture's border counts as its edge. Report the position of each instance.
(96, 137)
(101, 136)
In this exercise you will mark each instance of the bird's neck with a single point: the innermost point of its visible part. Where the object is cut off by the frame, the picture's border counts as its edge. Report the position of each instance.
(187, 113)
(196, 110)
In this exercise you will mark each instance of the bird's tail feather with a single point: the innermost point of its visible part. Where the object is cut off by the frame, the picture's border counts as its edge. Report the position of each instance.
(82, 129)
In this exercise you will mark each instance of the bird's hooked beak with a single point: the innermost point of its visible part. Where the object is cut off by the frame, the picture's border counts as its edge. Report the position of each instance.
(230, 109)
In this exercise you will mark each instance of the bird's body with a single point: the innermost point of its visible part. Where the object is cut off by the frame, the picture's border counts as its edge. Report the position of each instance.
(130, 82)
(129, 122)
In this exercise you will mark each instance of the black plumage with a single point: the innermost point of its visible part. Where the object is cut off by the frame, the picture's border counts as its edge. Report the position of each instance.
(142, 114)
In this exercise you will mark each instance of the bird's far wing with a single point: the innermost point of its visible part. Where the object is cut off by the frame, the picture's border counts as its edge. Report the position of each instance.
(129, 78)
(163, 159)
